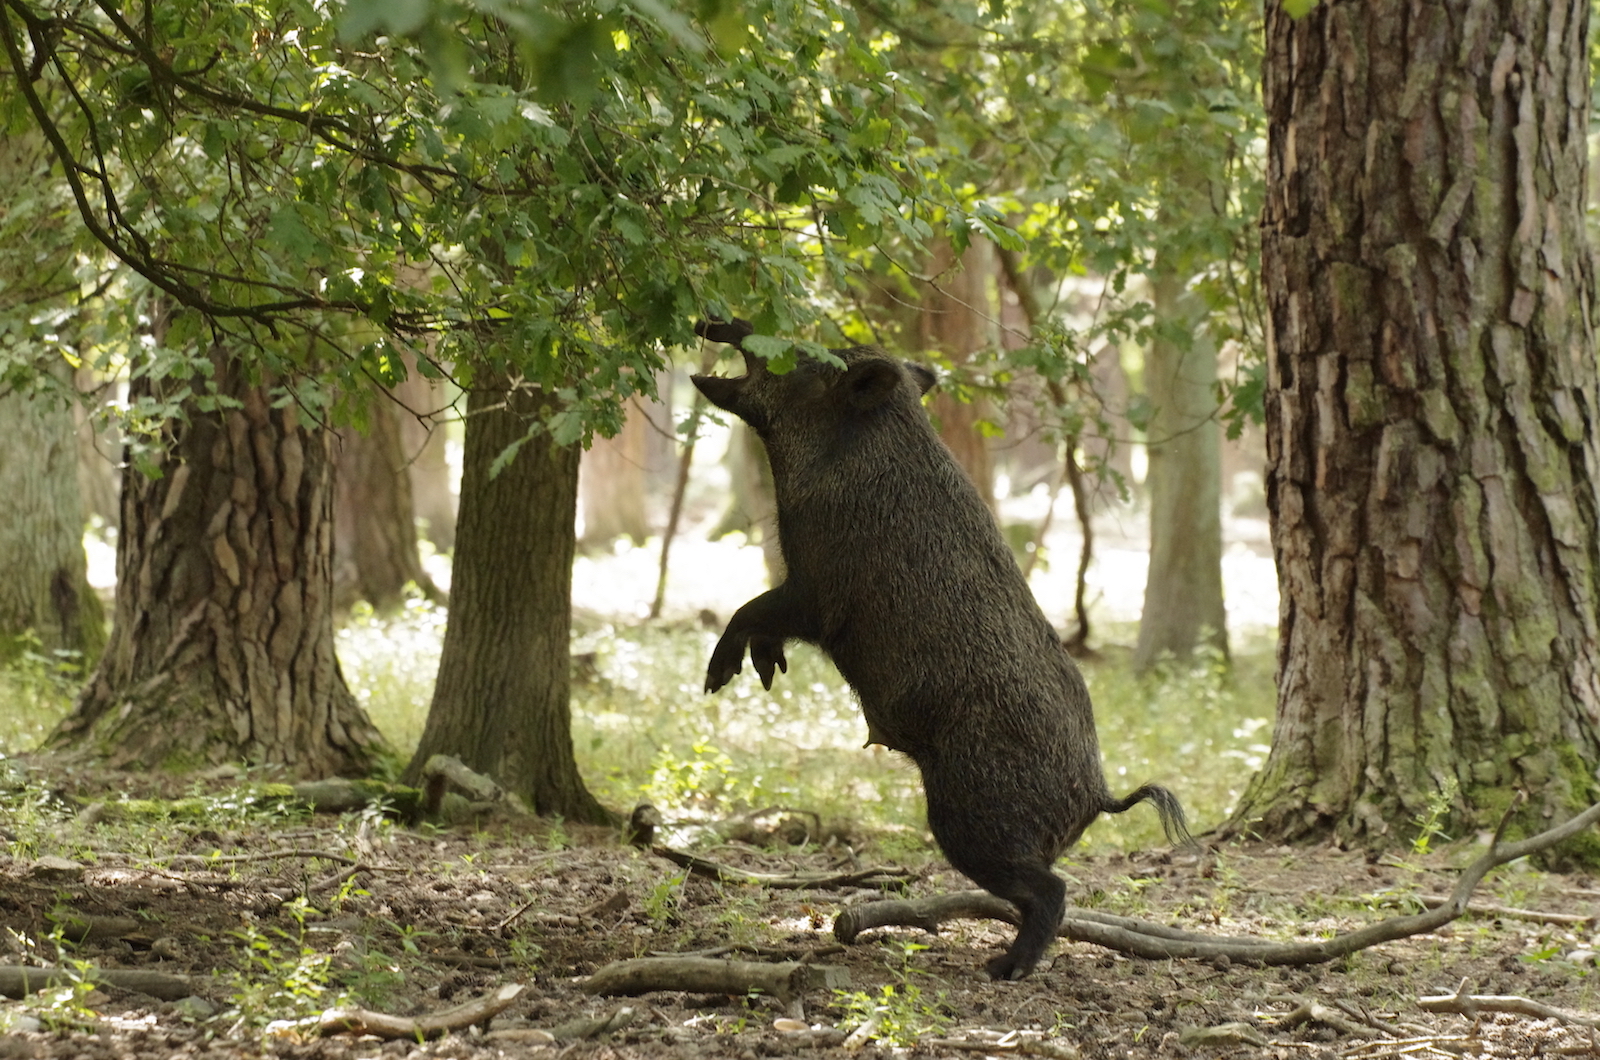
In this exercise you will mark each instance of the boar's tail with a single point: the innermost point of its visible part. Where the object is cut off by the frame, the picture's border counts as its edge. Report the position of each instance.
(1166, 804)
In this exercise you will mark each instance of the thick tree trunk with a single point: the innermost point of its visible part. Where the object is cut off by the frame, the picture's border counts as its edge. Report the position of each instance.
(1183, 589)
(375, 525)
(1431, 415)
(501, 700)
(44, 590)
(222, 642)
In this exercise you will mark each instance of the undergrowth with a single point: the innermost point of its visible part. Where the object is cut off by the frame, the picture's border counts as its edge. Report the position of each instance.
(644, 730)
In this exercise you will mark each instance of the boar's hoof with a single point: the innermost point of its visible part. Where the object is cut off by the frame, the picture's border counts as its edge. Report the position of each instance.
(1007, 967)
(766, 653)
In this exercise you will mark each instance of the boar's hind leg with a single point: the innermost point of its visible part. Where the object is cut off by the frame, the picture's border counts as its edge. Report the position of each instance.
(1041, 897)
(1001, 856)
(762, 624)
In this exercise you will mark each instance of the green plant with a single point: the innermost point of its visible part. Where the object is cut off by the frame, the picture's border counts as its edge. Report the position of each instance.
(900, 1013)
(661, 904)
(36, 690)
(64, 1007)
(282, 977)
(1430, 820)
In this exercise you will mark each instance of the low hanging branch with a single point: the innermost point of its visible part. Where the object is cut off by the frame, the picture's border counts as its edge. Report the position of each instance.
(1156, 942)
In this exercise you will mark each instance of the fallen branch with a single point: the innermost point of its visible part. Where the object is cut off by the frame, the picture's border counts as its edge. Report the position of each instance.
(781, 881)
(584, 1028)
(1315, 1012)
(1157, 942)
(1537, 916)
(21, 980)
(382, 1025)
(1020, 1046)
(260, 855)
(698, 975)
(1468, 1004)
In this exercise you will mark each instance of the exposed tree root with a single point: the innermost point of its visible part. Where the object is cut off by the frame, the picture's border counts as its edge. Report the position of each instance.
(1156, 942)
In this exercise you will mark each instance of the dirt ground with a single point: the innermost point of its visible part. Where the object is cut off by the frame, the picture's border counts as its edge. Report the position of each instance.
(294, 914)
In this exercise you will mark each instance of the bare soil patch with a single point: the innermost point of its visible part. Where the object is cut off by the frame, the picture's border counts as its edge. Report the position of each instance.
(276, 920)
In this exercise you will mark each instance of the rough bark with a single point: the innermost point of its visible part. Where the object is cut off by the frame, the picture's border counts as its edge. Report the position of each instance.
(1183, 590)
(222, 640)
(375, 525)
(1431, 414)
(44, 590)
(501, 701)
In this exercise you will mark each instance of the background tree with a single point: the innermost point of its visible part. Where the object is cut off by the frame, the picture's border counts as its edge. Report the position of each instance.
(1430, 416)
(1131, 177)
(375, 522)
(45, 598)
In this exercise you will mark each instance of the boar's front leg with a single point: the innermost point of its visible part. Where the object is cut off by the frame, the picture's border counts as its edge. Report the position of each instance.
(762, 625)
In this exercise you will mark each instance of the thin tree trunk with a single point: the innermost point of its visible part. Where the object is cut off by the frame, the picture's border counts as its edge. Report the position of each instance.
(614, 482)
(222, 642)
(423, 445)
(955, 320)
(1431, 412)
(375, 526)
(1183, 590)
(44, 590)
(752, 499)
(501, 700)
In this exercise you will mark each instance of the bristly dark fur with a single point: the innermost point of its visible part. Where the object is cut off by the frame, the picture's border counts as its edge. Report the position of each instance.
(897, 570)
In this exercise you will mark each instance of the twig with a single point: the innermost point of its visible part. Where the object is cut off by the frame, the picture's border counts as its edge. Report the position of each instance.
(1468, 1004)
(264, 855)
(1315, 1012)
(1020, 1046)
(1537, 916)
(382, 1025)
(790, 881)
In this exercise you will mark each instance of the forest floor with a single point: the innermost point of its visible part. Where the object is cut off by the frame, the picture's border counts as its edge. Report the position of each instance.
(273, 918)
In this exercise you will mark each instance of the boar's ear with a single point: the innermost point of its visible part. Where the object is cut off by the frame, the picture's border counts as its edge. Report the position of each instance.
(869, 383)
(721, 392)
(925, 378)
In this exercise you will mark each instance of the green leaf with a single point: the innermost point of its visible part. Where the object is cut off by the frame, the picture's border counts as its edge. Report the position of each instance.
(1298, 8)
